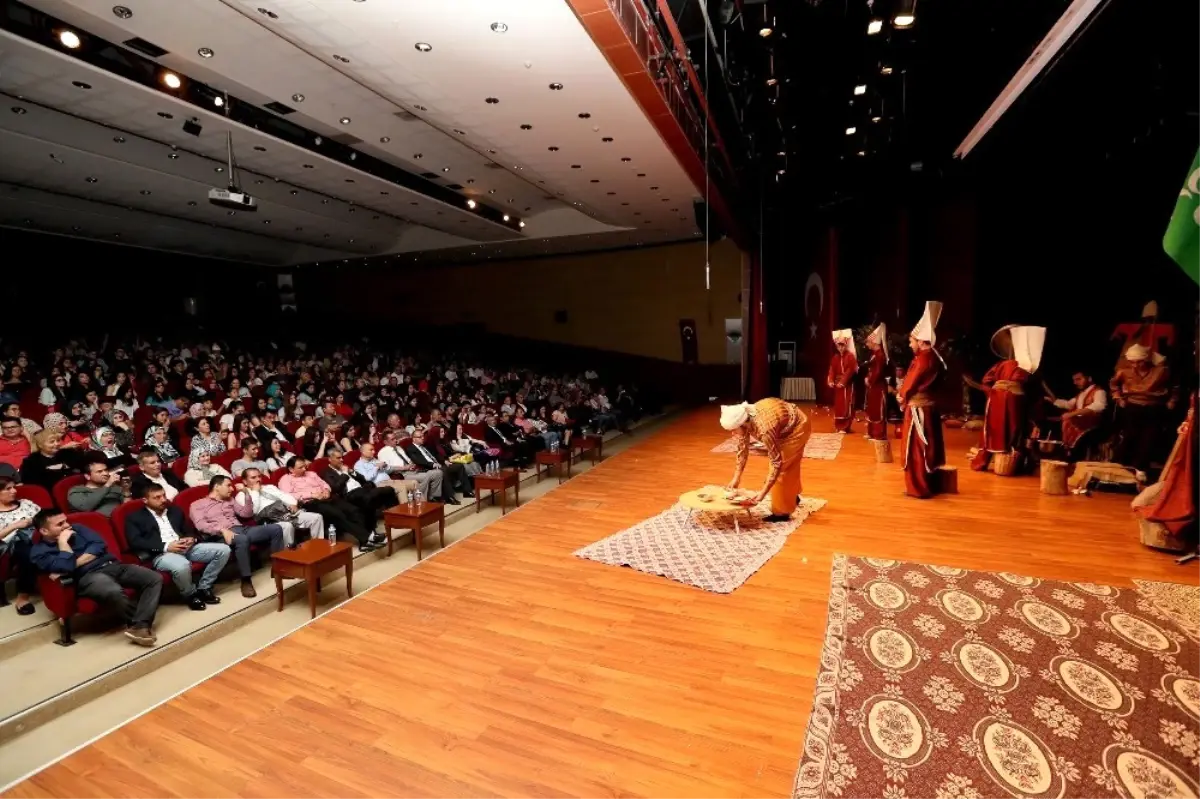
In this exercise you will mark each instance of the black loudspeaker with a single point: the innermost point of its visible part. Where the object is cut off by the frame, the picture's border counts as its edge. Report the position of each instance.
(715, 233)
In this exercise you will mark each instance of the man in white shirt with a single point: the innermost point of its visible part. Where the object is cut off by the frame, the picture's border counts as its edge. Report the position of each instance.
(1083, 413)
(255, 496)
(370, 499)
(157, 534)
(400, 466)
(369, 469)
(152, 474)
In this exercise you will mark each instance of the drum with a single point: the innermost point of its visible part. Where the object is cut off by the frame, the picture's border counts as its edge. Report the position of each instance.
(946, 480)
(1005, 463)
(1054, 477)
(883, 450)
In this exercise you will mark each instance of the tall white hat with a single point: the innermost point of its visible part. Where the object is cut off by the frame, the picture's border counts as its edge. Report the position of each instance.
(879, 335)
(1137, 352)
(1027, 347)
(846, 335)
(734, 416)
(924, 331)
(1002, 342)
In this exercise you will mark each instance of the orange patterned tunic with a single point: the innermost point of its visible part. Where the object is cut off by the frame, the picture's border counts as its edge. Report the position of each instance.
(771, 422)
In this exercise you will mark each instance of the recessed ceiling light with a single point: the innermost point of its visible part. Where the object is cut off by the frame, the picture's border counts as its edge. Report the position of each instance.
(145, 192)
(297, 97)
(417, 156)
(585, 115)
(445, 169)
(266, 12)
(219, 101)
(76, 228)
(218, 169)
(90, 179)
(460, 132)
(341, 58)
(122, 12)
(119, 139)
(576, 166)
(171, 80)
(851, 131)
(471, 204)
(654, 188)
(308, 166)
(499, 27)
(384, 139)
(527, 127)
(521, 224)
(205, 52)
(69, 39)
(348, 180)
(325, 202)
(595, 180)
(607, 139)
(641, 174)
(78, 84)
(470, 180)
(556, 87)
(423, 47)
(626, 160)
(173, 156)
(491, 152)
(552, 149)
(345, 120)
(491, 100)
(506, 217)
(491, 191)
(266, 221)
(18, 110)
(420, 108)
(293, 192)
(166, 115)
(885, 70)
(874, 27)
(860, 89)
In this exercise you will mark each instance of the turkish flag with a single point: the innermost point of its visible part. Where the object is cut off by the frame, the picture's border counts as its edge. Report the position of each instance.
(820, 315)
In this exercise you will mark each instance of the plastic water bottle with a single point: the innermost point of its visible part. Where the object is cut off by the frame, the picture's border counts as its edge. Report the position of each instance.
(412, 499)
(332, 531)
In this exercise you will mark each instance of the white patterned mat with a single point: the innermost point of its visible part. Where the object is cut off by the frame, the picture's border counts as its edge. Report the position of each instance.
(821, 446)
(700, 548)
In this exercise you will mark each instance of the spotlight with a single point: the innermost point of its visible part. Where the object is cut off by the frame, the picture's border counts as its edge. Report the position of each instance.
(499, 27)
(885, 70)
(219, 102)
(192, 127)
(506, 217)
(344, 120)
(851, 131)
(906, 13)
(860, 89)
(765, 32)
(171, 80)
(874, 27)
(69, 39)
(876, 119)
(521, 224)
(471, 204)
(205, 52)
(423, 47)
(772, 81)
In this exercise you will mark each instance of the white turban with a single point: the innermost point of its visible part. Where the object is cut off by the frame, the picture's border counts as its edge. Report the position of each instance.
(734, 416)
(1137, 353)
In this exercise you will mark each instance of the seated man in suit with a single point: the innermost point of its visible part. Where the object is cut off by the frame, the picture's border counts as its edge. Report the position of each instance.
(269, 429)
(454, 476)
(153, 474)
(370, 499)
(401, 467)
(157, 533)
(509, 441)
(73, 552)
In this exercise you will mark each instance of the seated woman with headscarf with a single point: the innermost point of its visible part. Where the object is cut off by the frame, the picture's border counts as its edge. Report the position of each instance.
(68, 438)
(158, 440)
(122, 428)
(201, 469)
(105, 443)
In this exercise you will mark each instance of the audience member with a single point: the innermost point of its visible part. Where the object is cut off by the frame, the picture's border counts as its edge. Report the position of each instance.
(151, 473)
(314, 494)
(370, 499)
(201, 470)
(264, 503)
(102, 492)
(454, 477)
(251, 451)
(157, 534)
(400, 465)
(15, 446)
(215, 517)
(16, 538)
(76, 553)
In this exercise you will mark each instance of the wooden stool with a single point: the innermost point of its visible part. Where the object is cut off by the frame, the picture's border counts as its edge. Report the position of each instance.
(946, 480)
(883, 450)
(1054, 477)
(1156, 536)
(1005, 463)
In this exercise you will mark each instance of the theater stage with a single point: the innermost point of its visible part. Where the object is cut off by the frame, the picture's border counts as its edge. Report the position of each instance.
(506, 666)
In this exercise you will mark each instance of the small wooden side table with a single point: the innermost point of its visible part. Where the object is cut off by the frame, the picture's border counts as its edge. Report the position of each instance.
(553, 460)
(500, 481)
(588, 443)
(407, 517)
(310, 561)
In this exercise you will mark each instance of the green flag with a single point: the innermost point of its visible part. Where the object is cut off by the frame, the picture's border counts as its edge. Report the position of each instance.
(1182, 240)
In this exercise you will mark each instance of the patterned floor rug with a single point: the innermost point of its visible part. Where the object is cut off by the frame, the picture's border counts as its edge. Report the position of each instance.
(698, 548)
(942, 682)
(821, 446)
(1178, 602)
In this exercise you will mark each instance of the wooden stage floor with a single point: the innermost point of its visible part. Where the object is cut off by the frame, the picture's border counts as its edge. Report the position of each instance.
(506, 666)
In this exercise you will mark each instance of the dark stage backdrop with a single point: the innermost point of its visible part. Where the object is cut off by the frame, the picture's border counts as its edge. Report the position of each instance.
(80, 285)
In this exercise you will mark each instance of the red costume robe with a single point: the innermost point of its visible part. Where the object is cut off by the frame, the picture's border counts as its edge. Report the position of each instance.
(1073, 427)
(877, 392)
(1004, 416)
(842, 369)
(1175, 506)
(924, 451)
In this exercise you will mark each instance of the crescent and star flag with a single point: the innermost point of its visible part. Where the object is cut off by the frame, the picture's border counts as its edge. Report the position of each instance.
(1182, 240)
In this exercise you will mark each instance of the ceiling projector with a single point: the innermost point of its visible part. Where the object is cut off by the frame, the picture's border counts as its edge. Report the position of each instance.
(232, 198)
